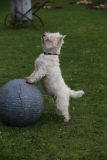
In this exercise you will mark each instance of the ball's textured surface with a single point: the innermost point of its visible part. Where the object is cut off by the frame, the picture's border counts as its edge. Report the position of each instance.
(21, 104)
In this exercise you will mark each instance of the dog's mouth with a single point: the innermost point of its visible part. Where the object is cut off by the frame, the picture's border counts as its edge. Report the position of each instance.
(43, 36)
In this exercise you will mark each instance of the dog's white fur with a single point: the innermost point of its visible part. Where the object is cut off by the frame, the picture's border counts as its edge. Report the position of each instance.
(48, 72)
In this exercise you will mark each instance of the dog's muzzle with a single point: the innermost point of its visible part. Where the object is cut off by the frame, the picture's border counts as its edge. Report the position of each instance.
(43, 35)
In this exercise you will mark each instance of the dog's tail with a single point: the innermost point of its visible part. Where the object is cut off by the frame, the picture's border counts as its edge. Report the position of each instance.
(76, 94)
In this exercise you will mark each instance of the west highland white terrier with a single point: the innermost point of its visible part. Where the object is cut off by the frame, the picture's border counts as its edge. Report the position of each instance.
(47, 71)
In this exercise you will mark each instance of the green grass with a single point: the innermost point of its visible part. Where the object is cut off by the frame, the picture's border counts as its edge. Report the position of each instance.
(83, 64)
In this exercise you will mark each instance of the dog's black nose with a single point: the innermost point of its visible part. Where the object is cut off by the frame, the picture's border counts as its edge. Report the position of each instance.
(43, 35)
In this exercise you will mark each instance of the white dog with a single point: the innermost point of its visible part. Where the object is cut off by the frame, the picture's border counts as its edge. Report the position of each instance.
(48, 72)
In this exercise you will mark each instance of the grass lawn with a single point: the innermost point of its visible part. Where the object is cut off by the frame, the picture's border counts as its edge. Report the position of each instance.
(83, 62)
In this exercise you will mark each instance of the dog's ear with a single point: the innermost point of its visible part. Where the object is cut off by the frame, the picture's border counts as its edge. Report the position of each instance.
(64, 36)
(61, 38)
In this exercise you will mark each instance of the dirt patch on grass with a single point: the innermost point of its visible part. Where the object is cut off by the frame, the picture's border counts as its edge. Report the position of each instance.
(97, 6)
(51, 7)
(90, 4)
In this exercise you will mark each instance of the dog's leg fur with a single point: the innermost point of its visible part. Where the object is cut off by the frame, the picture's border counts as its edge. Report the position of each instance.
(38, 73)
(62, 107)
(62, 104)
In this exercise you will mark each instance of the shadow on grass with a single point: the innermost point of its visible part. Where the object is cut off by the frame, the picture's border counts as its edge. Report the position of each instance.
(46, 118)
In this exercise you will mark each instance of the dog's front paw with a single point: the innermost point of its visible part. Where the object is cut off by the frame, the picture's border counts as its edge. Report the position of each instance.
(29, 80)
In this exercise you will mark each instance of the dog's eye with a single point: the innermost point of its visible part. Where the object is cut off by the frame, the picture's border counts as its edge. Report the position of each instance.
(43, 35)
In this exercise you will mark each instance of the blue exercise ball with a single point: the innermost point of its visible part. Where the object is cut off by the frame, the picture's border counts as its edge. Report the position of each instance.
(21, 104)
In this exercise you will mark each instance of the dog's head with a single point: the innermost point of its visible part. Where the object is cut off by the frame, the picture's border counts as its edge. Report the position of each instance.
(52, 42)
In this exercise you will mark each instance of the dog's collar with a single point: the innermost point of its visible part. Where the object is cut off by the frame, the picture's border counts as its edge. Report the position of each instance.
(46, 53)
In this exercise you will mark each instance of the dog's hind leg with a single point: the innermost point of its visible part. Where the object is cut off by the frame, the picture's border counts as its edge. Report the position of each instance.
(62, 105)
(59, 113)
